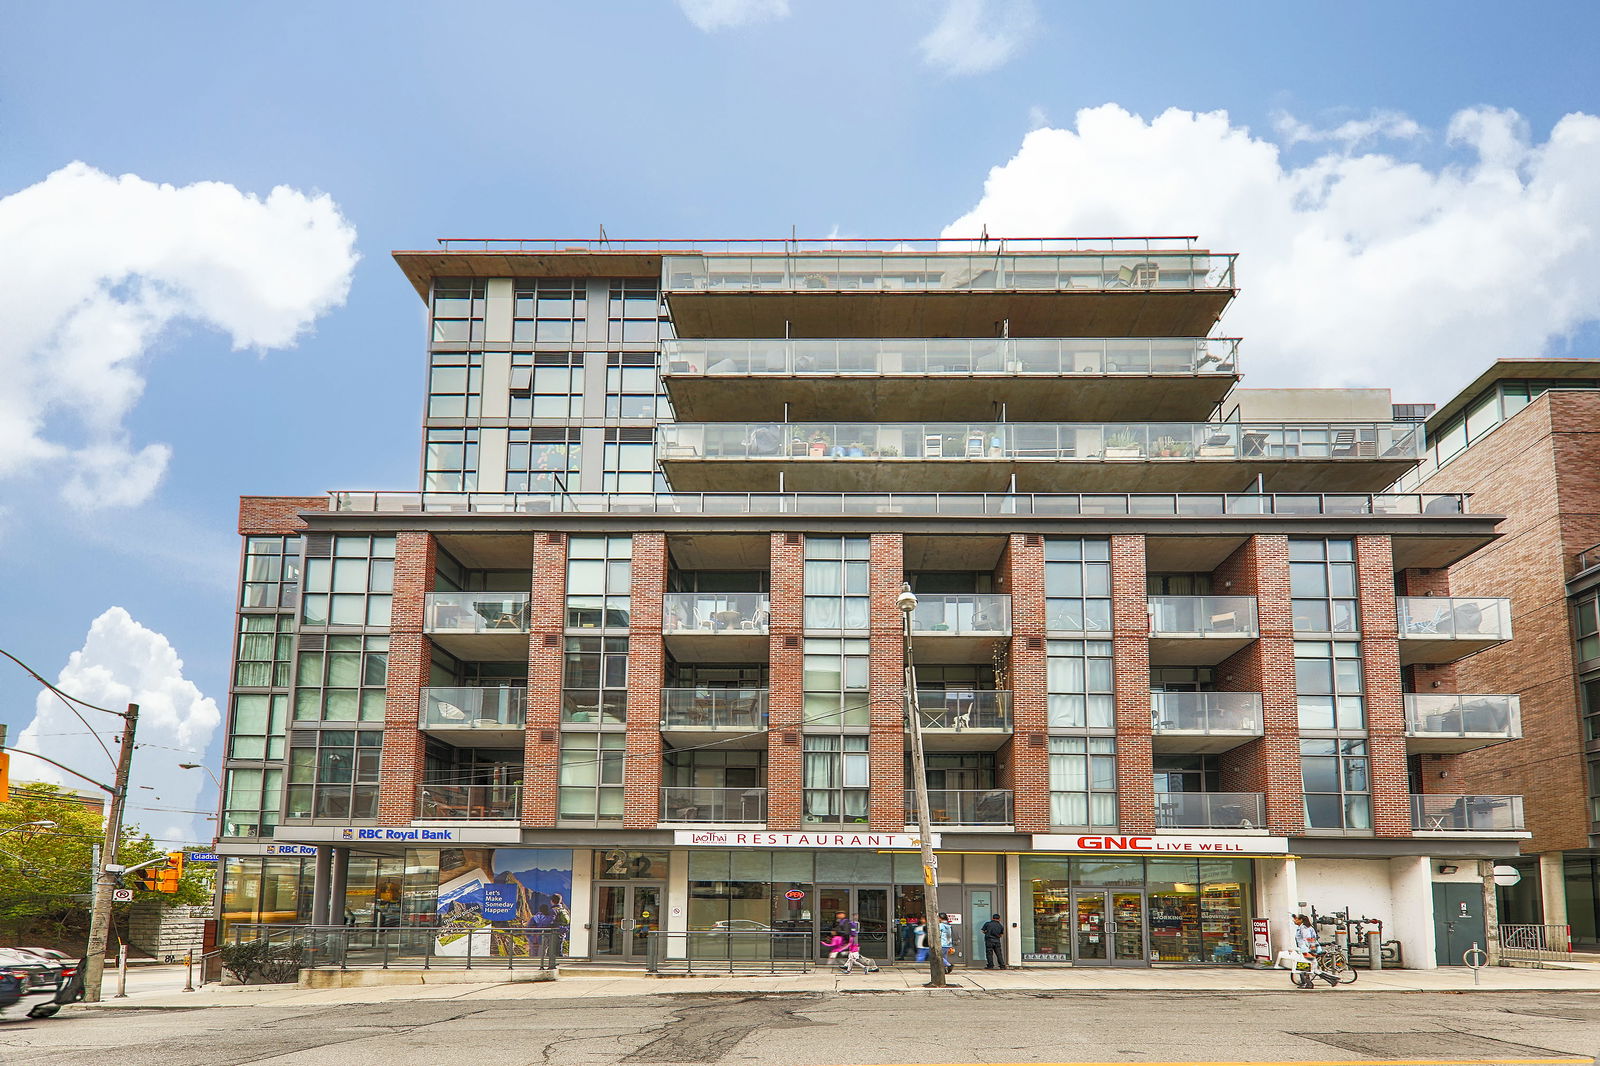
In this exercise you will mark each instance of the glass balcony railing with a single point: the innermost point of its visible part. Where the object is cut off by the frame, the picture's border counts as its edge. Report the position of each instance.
(714, 612)
(1203, 616)
(1454, 618)
(1466, 814)
(714, 708)
(713, 804)
(469, 801)
(1040, 440)
(1206, 355)
(958, 709)
(990, 806)
(1092, 271)
(1462, 715)
(1206, 712)
(1137, 504)
(474, 708)
(1588, 559)
(962, 614)
(1210, 810)
(476, 612)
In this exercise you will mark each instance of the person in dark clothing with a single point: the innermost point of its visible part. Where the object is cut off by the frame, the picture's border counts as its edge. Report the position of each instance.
(994, 937)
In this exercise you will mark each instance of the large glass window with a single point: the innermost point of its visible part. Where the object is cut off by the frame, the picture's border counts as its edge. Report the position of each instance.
(334, 774)
(595, 681)
(599, 582)
(1077, 584)
(1080, 685)
(632, 385)
(836, 683)
(451, 461)
(634, 313)
(271, 571)
(1322, 582)
(1589, 689)
(549, 310)
(630, 461)
(1335, 780)
(547, 385)
(266, 648)
(458, 306)
(1327, 677)
(1586, 626)
(837, 576)
(257, 730)
(1083, 781)
(591, 776)
(253, 799)
(353, 588)
(836, 778)
(455, 384)
(344, 683)
(542, 460)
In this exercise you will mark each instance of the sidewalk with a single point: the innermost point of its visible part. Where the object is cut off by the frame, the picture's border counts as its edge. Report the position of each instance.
(902, 980)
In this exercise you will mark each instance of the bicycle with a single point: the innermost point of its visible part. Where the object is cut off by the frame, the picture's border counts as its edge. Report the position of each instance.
(1330, 965)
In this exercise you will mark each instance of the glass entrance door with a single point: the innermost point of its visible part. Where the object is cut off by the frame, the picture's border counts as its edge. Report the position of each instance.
(1127, 929)
(870, 904)
(1089, 928)
(1109, 928)
(980, 905)
(624, 918)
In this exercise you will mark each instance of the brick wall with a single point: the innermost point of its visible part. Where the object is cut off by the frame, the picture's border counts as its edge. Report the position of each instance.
(786, 680)
(1130, 633)
(547, 611)
(642, 770)
(270, 515)
(410, 655)
(1026, 758)
(886, 678)
(1380, 665)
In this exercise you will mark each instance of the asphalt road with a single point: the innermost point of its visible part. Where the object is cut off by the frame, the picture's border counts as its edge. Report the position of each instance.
(802, 1029)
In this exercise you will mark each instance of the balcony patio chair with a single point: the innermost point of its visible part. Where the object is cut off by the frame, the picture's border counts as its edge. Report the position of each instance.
(1225, 623)
(1344, 442)
(1216, 445)
(449, 712)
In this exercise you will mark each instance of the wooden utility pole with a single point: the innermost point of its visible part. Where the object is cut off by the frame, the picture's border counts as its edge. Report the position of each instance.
(104, 879)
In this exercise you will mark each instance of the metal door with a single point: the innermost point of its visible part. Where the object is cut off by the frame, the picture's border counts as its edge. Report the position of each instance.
(980, 905)
(1457, 921)
(624, 917)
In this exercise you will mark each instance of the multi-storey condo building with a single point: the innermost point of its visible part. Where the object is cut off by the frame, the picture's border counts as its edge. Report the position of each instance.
(1524, 439)
(636, 639)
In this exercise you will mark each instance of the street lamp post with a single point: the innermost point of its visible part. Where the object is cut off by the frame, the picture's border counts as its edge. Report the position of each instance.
(907, 602)
(43, 823)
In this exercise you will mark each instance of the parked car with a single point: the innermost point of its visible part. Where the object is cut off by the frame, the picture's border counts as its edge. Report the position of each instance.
(11, 988)
(35, 974)
(66, 965)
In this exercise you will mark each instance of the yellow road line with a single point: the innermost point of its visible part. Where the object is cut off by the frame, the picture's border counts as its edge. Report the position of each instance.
(1568, 1060)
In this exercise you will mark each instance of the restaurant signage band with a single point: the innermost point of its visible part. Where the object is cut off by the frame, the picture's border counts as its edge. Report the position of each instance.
(714, 838)
(1160, 844)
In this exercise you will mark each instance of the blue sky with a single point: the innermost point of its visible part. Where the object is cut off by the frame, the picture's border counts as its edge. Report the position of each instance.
(544, 119)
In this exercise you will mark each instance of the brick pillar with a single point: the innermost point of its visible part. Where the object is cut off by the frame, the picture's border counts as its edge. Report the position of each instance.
(785, 700)
(1271, 765)
(886, 691)
(547, 615)
(1130, 643)
(1026, 756)
(409, 655)
(1380, 666)
(642, 770)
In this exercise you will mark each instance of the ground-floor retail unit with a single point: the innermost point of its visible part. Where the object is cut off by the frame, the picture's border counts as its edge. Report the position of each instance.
(1065, 899)
(1556, 888)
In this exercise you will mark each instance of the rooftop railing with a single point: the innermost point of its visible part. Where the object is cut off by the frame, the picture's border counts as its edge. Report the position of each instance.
(1040, 440)
(695, 358)
(836, 245)
(1204, 616)
(962, 614)
(1205, 713)
(947, 271)
(1443, 813)
(1454, 618)
(954, 504)
(1463, 715)
(498, 707)
(475, 612)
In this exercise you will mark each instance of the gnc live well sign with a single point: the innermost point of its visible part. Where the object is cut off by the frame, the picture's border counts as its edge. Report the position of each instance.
(1160, 845)
(712, 838)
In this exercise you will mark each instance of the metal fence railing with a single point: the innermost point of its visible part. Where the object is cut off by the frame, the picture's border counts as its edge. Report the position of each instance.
(1548, 943)
(730, 951)
(426, 946)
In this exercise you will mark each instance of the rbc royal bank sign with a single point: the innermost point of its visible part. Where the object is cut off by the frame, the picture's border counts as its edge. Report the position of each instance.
(712, 838)
(1160, 845)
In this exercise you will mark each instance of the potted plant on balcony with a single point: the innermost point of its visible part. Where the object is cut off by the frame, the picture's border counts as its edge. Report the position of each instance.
(818, 445)
(1122, 445)
(1165, 447)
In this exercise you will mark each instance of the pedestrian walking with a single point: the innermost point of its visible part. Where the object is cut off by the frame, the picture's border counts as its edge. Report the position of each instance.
(852, 949)
(843, 933)
(555, 935)
(947, 942)
(906, 938)
(994, 937)
(1307, 945)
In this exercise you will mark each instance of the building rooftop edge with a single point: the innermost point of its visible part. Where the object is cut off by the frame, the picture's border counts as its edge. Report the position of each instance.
(1571, 368)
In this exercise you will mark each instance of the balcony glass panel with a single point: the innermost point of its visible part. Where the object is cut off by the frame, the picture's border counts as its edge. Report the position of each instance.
(1454, 618)
(1466, 814)
(476, 612)
(1202, 615)
(1210, 810)
(448, 801)
(963, 807)
(1206, 355)
(714, 612)
(713, 804)
(1081, 271)
(714, 708)
(1206, 712)
(961, 614)
(958, 709)
(474, 708)
(1461, 715)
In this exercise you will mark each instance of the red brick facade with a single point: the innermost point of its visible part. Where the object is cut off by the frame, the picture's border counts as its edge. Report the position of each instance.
(547, 616)
(642, 774)
(410, 653)
(1130, 638)
(785, 699)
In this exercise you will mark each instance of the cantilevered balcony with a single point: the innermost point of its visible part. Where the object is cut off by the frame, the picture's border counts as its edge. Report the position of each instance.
(1447, 813)
(1199, 630)
(984, 456)
(478, 625)
(1175, 291)
(731, 806)
(959, 627)
(1210, 810)
(471, 717)
(1203, 723)
(974, 807)
(935, 379)
(449, 802)
(1448, 724)
(1442, 629)
(964, 719)
(725, 717)
(716, 626)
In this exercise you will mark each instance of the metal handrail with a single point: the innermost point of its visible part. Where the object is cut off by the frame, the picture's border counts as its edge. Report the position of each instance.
(462, 944)
(1201, 356)
(729, 951)
(792, 244)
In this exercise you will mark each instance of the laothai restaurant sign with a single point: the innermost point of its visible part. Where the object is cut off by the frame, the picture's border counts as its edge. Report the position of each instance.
(715, 838)
(1162, 844)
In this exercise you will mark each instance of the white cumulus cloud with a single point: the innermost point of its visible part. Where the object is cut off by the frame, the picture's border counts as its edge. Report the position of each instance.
(97, 267)
(122, 662)
(709, 16)
(1355, 268)
(977, 36)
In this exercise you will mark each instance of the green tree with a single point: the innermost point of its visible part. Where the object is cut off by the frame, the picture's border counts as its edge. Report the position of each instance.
(45, 874)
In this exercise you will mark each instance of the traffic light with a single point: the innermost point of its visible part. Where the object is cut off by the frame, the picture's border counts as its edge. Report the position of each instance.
(150, 878)
(172, 873)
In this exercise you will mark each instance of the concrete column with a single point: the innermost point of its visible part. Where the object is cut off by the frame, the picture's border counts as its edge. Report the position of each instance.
(1491, 911)
(581, 905)
(499, 302)
(338, 879)
(1553, 888)
(677, 903)
(1277, 897)
(321, 877)
(1411, 910)
(1011, 890)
